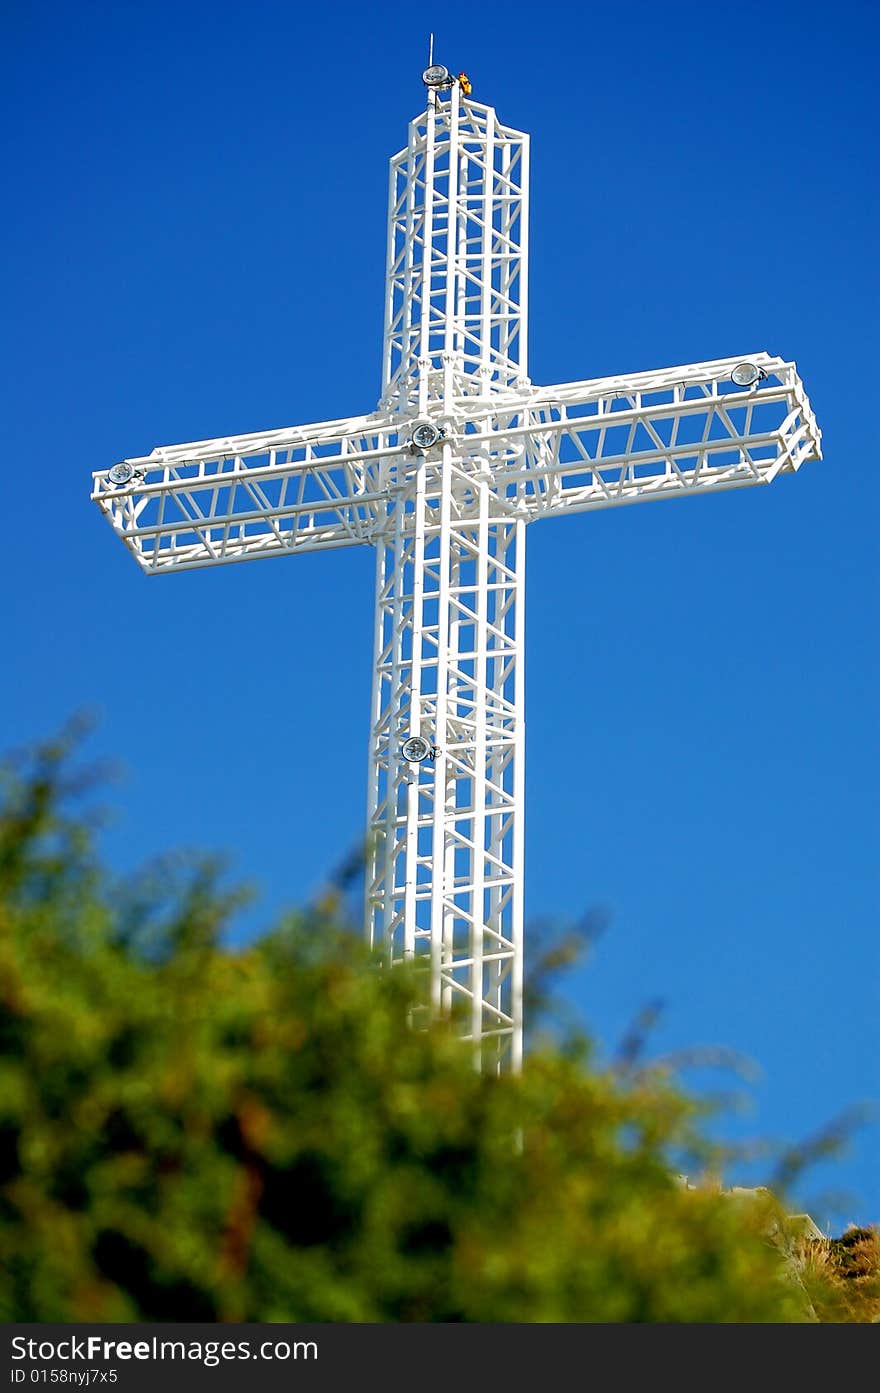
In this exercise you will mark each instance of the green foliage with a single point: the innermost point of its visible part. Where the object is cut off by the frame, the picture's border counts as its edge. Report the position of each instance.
(190, 1132)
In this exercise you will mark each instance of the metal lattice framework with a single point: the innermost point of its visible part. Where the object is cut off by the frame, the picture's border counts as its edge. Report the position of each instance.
(446, 506)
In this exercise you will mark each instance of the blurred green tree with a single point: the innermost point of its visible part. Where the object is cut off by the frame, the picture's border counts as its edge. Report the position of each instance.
(194, 1132)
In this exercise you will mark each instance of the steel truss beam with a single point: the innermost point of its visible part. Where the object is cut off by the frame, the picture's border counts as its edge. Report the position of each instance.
(573, 447)
(445, 878)
(457, 294)
(444, 883)
(241, 497)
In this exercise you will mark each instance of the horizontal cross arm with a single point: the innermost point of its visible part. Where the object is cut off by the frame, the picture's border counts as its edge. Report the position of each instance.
(236, 498)
(683, 430)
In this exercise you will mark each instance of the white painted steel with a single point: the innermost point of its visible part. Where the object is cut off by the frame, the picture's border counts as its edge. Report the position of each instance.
(445, 874)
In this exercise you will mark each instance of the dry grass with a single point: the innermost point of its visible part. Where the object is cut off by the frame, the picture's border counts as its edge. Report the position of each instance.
(842, 1275)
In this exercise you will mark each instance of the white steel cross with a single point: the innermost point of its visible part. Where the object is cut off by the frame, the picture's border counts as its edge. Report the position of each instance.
(461, 453)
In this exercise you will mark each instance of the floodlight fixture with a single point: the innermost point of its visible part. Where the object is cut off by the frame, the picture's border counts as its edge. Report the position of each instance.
(747, 374)
(121, 473)
(436, 76)
(417, 749)
(426, 434)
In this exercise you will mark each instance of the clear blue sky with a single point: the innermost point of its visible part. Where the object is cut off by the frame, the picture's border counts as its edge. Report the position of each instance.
(193, 245)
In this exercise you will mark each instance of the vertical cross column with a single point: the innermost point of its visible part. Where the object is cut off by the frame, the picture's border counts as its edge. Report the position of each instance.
(445, 880)
(456, 283)
(446, 835)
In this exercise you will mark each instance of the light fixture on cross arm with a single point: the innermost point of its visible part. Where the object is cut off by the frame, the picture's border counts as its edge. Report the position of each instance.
(121, 473)
(747, 374)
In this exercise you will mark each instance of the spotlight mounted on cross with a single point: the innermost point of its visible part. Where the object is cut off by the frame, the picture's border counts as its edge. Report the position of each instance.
(417, 749)
(439, 78)
(425, 435)
(123, 473)
(747, 374)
